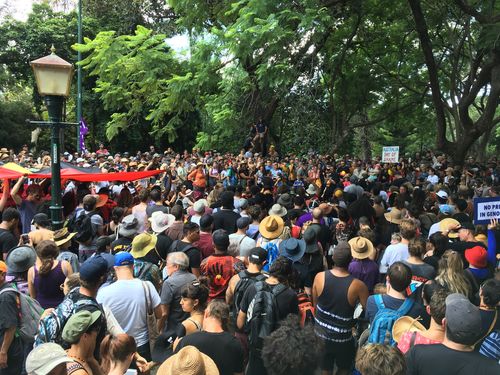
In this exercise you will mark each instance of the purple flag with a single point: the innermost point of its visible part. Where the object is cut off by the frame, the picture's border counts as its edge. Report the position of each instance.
(83, 132)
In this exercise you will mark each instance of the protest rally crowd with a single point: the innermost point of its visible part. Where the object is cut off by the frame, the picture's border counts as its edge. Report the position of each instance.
(251, 264)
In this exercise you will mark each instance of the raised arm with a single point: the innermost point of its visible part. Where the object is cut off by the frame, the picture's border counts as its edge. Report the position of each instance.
(15, 190)
(492, 242)
(5, 195)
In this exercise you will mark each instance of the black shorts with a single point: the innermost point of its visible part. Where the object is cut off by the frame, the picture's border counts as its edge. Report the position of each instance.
(340, 354)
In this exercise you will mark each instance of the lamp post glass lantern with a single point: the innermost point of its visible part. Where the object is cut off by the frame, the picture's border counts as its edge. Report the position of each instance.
(53, 78)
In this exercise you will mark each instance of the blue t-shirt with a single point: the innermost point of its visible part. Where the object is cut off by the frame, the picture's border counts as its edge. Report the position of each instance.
(417, 310)
(27, 209)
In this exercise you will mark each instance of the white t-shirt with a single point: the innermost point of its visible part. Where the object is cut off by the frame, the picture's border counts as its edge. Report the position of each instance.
(393, 253)
(433, 179)
(127, 300)
(244, 245)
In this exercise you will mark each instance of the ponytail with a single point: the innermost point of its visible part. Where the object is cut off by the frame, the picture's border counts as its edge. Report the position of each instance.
(47, 252)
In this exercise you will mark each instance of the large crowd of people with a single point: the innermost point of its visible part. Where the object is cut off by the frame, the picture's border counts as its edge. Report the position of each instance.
(250, 264)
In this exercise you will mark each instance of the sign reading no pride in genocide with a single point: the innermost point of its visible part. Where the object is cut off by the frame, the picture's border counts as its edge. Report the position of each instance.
(486, 209)
(390, 154)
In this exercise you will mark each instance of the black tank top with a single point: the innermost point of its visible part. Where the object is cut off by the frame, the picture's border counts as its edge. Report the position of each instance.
(334, 314)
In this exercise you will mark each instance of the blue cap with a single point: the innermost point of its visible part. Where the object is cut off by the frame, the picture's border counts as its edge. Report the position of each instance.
(123, 258)
(93, 268)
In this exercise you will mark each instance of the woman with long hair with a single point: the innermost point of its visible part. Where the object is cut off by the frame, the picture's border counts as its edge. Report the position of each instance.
(451, 274)
(117, 215)
(46, 276)
(117, 352)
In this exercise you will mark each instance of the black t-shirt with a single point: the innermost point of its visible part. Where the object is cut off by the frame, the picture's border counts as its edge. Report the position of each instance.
(296, 212)
(226, 219)
(324, 234)
(121, 244)
(438, 359)
(286, 301)
(155, 208)
(192, 252)
(9, 311)
(163, 244)
(223, 348)
(7, 240)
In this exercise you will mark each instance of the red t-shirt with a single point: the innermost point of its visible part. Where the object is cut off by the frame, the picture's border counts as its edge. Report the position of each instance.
(205, 244)
(404, 343)
(219, 268)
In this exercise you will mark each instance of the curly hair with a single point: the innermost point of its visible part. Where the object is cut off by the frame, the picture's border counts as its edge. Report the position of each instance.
(291, 349)
(376, 359)
(282, 269)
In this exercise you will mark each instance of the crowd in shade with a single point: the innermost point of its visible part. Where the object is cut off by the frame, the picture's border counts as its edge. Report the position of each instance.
(249, 264)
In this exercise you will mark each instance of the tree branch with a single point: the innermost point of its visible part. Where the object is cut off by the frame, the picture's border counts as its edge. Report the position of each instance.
(385, 116)
(425, 42)
(471, 11)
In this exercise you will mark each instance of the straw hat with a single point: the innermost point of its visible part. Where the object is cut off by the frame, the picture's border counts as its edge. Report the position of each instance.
(361, 248)
(446, 224)
(271, 227)
(406, 324)
(189, 361)
(62, 236)
(394, 216)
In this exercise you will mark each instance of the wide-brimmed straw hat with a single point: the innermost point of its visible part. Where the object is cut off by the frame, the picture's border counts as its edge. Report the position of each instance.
(394, 216)
(361, 248)
(271, 227)
(446, 224)
(189, 361)
(62, 236)
(406, 324)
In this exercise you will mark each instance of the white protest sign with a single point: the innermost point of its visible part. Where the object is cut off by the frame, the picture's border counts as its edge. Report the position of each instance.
(390, 154)
(486, 209)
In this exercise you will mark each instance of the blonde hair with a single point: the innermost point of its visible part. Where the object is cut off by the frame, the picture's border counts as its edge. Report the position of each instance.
(451, 274)
(376, 359)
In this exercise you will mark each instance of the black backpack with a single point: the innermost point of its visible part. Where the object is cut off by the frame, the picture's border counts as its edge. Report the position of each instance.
(241, 286)
(263, 313)
(85, 230)
(175, 247)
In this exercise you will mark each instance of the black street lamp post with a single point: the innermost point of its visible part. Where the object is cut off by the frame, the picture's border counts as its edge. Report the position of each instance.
(53, 78)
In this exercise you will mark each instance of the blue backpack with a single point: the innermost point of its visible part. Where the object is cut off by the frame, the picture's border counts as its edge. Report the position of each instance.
(381, 327)
(51, 326)
(272, 253)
